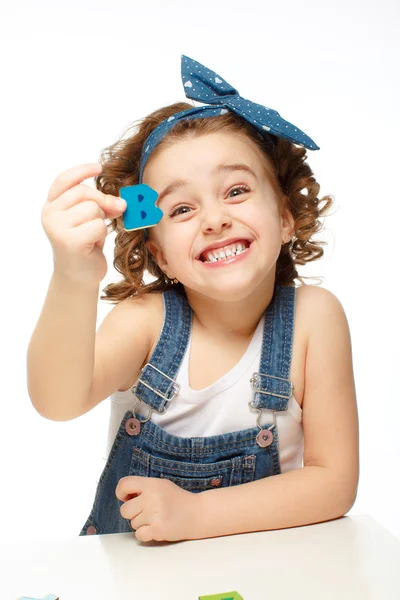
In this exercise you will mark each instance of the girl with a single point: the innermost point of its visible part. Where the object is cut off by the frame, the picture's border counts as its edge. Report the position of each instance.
(234, 406)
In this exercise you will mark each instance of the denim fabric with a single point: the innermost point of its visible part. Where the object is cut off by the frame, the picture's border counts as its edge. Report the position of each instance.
(199, 463)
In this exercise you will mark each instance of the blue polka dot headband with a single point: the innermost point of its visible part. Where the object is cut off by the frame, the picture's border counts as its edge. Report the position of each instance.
(203, 85)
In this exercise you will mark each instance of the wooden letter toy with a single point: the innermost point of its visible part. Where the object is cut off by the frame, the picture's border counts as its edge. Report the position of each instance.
(141, 210)
(225, 596)
(48, 597)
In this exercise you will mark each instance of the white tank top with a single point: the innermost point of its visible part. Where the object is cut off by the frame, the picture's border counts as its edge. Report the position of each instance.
(221, 407)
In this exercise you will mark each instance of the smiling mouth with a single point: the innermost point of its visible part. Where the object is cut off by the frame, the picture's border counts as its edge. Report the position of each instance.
(210, 256)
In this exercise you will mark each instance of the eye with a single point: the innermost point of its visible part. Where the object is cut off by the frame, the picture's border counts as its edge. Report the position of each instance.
(179, 210)
(242, 189)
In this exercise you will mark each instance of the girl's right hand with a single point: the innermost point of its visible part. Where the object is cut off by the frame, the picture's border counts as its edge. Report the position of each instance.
(73, 219)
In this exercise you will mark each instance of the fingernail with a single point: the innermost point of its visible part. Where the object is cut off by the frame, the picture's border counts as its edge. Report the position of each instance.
(119, 203)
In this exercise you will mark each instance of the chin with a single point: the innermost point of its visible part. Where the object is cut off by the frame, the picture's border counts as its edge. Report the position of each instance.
(228, 292)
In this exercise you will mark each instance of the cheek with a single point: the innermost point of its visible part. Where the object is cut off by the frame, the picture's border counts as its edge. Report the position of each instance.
(176, 244)
(257, 214)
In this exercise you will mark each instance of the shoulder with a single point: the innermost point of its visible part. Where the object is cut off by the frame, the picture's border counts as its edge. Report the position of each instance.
(148, 310)
(329, 403)
(320, 309)
(146, 305)
(125, 339)
(329, 361)
(145, 312)
(134, 322)
(315, 293)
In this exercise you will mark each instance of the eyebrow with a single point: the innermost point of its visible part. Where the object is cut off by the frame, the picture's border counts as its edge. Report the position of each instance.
(179, 183)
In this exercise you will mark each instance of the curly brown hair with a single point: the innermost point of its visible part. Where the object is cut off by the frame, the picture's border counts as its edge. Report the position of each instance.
(121, 163)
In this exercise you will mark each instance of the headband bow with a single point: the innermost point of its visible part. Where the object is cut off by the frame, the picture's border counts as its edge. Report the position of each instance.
(203, 85)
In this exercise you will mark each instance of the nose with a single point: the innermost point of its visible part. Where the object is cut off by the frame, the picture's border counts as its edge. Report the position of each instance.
(215, 218)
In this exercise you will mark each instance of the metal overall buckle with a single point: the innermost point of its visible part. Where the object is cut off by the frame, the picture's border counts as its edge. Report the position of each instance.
(265, 436)
(133, 425)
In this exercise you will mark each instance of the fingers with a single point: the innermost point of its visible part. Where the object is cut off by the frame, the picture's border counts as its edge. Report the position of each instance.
(82, 237)
(67, 191)
(129, 487)
(110, 205)
(72, 177)
(133, 511)
(144, 534)
(85, 211)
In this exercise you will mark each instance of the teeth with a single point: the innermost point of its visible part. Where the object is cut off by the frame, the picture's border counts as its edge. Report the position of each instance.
(234, 249)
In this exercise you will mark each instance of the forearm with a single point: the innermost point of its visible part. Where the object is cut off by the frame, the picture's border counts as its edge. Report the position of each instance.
(60, 356)
(301, 497)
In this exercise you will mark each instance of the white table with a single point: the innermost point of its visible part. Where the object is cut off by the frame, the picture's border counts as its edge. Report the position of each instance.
(351, 558)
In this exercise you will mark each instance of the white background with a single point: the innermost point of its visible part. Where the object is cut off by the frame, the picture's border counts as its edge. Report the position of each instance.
(75, 75)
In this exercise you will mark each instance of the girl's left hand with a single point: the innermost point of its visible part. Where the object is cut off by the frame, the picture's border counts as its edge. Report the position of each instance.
(158, 508)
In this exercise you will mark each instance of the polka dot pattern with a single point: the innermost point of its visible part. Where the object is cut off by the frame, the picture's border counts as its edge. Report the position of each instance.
(203, 85)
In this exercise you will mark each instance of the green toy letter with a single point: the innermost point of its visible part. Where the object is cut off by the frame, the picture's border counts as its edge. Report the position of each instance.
(226, 596)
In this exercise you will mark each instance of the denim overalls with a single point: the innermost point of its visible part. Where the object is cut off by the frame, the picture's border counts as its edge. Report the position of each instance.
(199, 463)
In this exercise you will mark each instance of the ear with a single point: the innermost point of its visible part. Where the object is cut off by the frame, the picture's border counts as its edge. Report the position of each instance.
(287, 224)
(155, 249)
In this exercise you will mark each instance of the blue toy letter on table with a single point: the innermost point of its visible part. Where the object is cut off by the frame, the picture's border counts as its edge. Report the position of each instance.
(141, 210)
(48, 597)
(225, 596)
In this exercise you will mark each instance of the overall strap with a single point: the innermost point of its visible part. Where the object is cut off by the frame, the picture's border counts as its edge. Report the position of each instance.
(272, 387)
(155, 385)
